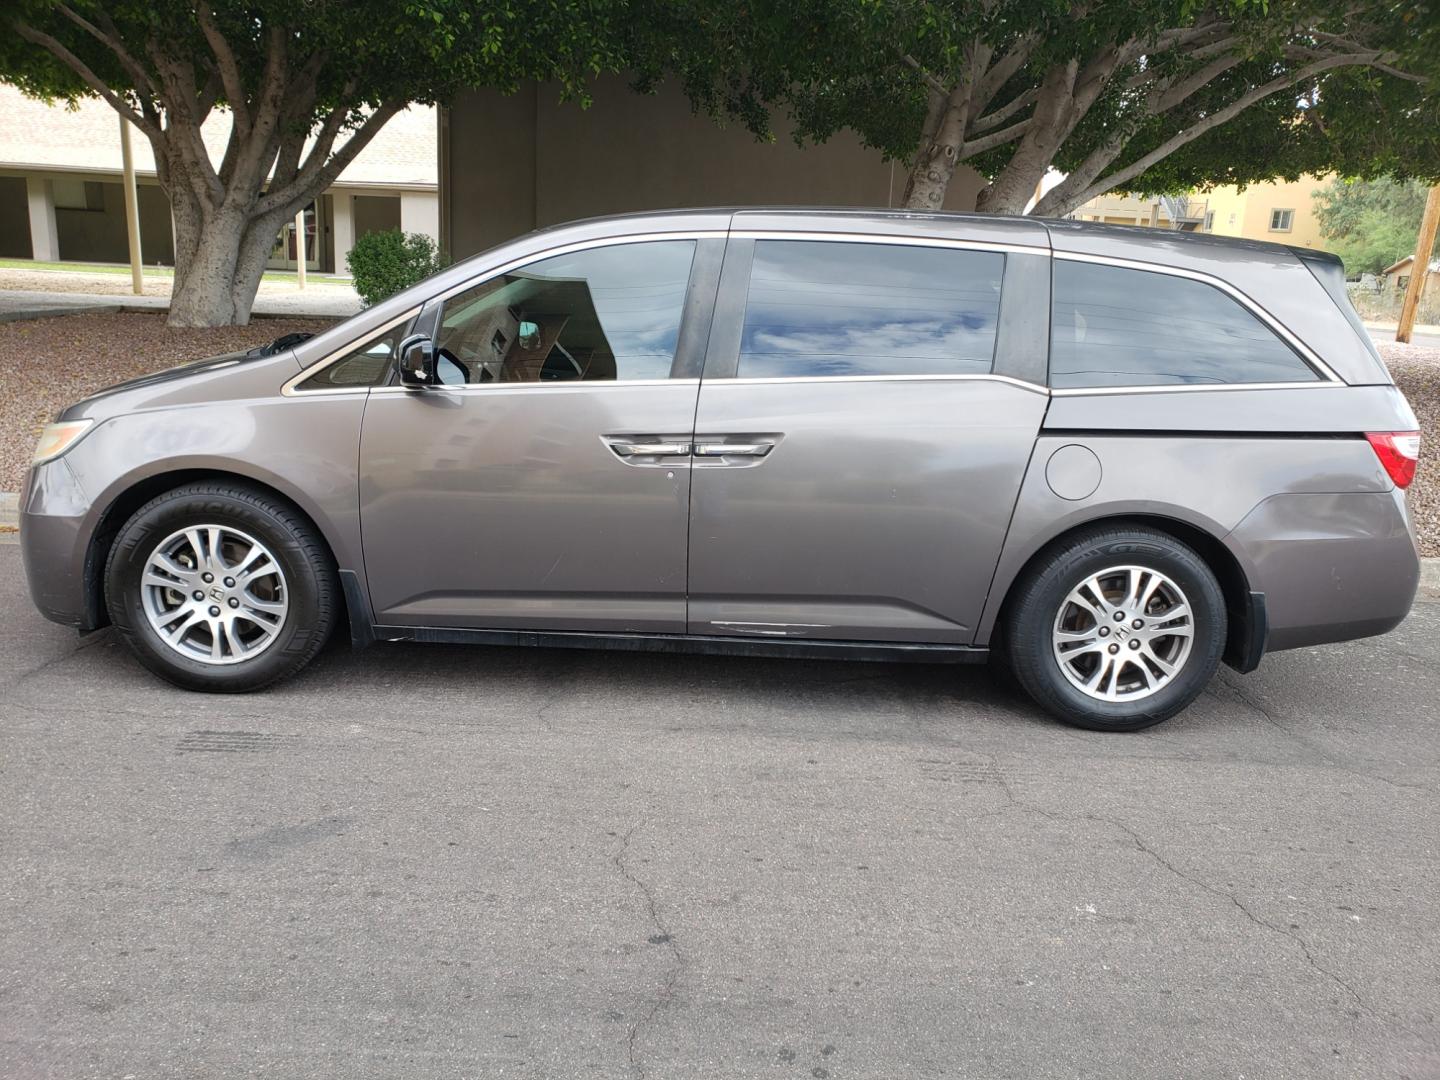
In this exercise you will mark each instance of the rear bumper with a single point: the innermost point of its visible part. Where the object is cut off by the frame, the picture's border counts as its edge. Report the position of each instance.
(54, 544)
(1332, 566)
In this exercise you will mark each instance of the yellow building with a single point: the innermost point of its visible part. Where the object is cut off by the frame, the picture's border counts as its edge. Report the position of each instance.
(1184, 212)
(1276, 210)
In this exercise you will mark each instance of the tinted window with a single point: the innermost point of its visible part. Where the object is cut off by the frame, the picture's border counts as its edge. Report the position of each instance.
(368, 364)
(826, 308)
(1118, 327)
(603, 314)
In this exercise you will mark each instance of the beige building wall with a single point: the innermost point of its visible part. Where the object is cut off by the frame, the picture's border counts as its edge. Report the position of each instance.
(516, 163)
(1252, 213)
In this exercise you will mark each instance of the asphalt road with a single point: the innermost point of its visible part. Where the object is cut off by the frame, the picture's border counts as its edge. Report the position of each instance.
(446, 862)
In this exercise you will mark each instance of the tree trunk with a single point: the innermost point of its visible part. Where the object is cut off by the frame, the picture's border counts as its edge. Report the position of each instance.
(220, 257)
(930, 178)
(254, 253)
(203, 293)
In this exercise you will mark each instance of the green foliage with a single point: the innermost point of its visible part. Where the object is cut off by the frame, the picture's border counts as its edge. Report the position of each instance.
(383, 263)
(366, 52)
(869, 66)
(1371, 224)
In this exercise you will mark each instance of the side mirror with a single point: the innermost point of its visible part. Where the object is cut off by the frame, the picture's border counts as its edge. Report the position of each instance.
(416, 362)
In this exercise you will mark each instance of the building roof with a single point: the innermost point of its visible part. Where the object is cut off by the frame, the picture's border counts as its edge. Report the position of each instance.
(1433, 268)
(34, 135)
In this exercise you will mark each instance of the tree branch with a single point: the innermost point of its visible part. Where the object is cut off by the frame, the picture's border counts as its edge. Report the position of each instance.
(112, 42)
(1005, 69)
(318, 173)
(926, 77)
(982, 143)
(1194, 131)
(998, 116)
(229, 69)
(93, 81)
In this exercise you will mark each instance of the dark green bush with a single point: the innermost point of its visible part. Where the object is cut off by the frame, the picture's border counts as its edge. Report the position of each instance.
(383, 263)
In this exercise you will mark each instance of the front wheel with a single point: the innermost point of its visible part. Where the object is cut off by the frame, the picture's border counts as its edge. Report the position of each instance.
(1117, 629)
(219, 587)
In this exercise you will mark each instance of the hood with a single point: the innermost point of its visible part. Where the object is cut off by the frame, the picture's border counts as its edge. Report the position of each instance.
(211, 378)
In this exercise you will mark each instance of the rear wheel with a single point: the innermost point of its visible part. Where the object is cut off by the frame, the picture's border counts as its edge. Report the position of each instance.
(1117, 629)
(220, 587)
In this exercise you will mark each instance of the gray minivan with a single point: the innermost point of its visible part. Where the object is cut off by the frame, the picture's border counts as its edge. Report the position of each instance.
(1114, 456)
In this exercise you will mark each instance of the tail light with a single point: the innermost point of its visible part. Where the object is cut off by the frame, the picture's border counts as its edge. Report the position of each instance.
(1398, 451)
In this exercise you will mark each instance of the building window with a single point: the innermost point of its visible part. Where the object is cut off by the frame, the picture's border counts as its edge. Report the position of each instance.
(1281, 220)
(1209, 220)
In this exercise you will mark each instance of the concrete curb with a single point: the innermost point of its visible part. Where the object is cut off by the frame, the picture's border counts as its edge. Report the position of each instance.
(9, 517)
(10, 524)
(41, 312)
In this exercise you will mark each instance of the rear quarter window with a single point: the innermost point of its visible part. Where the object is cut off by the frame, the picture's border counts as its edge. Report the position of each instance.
(1114, 326)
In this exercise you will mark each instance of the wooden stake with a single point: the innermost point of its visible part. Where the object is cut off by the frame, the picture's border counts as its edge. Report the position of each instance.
(1420, 267)
(300, 250)
(132, 208)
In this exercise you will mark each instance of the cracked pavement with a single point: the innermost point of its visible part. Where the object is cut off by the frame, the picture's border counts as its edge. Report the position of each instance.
(463, 862)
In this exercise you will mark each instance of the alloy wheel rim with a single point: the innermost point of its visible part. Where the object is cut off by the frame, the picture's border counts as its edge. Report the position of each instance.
(214, 594)
(1123, 634)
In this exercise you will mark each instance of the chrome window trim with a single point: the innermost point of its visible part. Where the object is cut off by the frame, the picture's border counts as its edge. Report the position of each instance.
(892, 239)
(1306, 354)
(1193, 388)
(533, 387)
(801, 379)
(291, 388)
(577, 245)
(567, 249)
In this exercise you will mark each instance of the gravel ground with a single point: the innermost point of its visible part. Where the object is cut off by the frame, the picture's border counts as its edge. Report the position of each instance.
(46, 364)
(80, 354)
(69, 281)
(1417, 372)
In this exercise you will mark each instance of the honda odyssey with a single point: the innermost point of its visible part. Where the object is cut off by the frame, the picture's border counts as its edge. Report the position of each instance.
(1115, 457)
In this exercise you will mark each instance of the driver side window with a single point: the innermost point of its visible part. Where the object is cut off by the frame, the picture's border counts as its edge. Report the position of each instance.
(603, 314)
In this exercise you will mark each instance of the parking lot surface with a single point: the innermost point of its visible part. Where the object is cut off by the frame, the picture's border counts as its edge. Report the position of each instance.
(470, 862)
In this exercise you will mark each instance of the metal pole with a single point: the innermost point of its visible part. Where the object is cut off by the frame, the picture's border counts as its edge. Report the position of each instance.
(132, 209)
(1420, 267)
(300, 249)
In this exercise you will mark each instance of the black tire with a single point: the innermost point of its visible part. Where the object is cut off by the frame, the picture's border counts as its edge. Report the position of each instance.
(311, 584)
(1042, 591)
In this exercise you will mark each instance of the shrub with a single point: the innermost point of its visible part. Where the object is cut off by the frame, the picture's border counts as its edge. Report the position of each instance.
(383, 263)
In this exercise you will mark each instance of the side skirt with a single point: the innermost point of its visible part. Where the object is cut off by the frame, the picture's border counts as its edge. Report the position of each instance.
(804, 649)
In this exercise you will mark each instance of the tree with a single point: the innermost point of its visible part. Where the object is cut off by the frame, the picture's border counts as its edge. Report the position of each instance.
(1371, 223)
(1146, 95)
(307, 86)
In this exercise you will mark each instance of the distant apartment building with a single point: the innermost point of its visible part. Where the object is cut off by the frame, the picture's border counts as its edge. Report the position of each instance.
(61, 197)
(1182, 213)
(1277, 210)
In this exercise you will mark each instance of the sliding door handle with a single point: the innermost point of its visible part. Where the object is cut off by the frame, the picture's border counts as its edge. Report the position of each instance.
(733, 449)
(651, 449)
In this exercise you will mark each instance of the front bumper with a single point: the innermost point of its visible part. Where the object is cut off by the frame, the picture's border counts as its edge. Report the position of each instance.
(55, 546)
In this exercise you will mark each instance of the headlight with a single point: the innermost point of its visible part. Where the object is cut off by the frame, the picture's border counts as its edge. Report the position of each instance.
(55, 439)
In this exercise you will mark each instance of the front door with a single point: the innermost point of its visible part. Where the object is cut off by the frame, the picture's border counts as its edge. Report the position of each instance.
(546, 486)
(857, 456)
